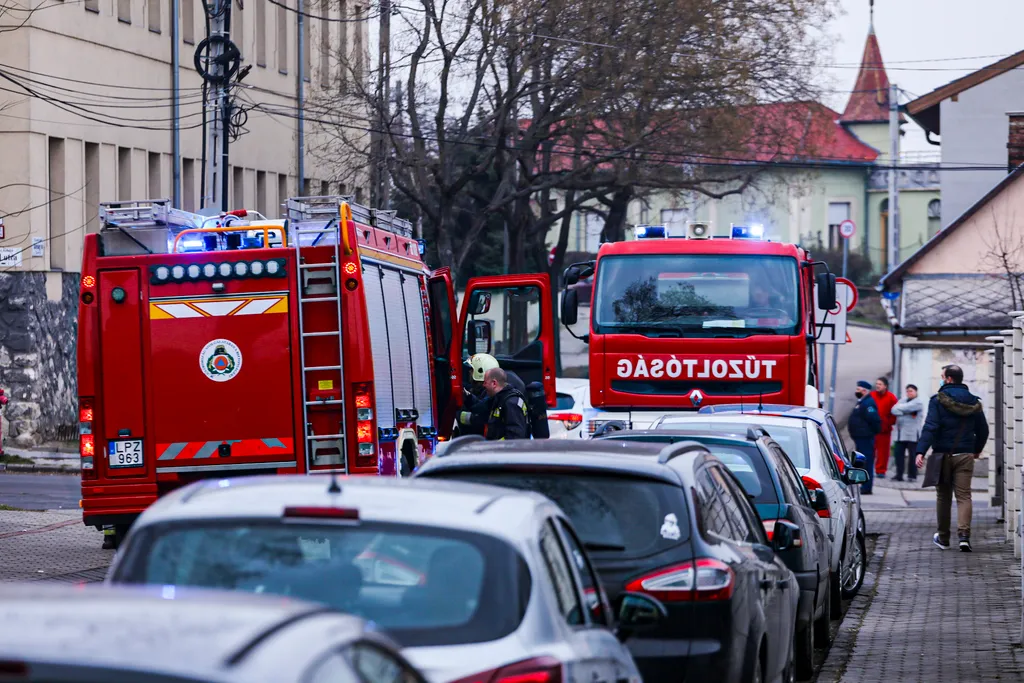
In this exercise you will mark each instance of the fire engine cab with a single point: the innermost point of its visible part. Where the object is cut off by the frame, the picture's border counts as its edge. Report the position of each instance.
(677, 323)
(227, 345)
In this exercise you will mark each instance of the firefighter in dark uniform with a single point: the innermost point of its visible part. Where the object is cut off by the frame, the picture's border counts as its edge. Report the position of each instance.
(510, 413)
(476, 405)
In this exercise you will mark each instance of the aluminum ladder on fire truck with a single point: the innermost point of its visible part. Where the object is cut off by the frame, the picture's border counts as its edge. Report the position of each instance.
(313, 219)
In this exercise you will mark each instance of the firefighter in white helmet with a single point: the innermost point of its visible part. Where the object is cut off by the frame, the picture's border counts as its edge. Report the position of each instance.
(476, 404)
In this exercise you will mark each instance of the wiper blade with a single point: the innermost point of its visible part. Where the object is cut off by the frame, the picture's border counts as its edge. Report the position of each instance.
(598, 546)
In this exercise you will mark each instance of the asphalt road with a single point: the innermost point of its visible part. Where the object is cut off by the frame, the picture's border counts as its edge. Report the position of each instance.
(868, 357)
(40, 491)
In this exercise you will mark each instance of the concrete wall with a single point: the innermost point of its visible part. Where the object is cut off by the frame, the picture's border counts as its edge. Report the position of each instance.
(975, 130)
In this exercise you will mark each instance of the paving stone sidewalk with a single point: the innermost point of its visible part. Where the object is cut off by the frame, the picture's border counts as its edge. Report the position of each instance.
(930, 615)
(50, 546)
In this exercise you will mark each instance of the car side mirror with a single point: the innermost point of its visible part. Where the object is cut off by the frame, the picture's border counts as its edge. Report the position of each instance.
(570, 307)
(859, 460)
(637, 612)
(784, 536)
(819, 502)
(480, 303)
(856, 475)
(826, 291)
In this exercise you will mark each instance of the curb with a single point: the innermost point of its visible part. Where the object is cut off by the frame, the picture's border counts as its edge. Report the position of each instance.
(38, 469)
(839, 654)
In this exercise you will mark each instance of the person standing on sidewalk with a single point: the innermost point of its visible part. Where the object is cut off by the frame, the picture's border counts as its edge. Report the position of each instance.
(864, 425)
(909, 414)
(956, 431)
(884, 401)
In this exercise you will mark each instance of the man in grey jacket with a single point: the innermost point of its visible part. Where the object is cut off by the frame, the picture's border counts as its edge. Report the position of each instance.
(909, 414)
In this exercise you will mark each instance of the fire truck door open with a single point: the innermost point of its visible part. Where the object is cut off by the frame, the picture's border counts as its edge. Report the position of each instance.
(447, 360)
(511, 318)
(398, 334)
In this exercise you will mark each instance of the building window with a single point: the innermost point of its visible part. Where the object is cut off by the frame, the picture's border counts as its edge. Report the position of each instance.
(124, 11)
(934, 217)
(155, 188)
(325, 188)
(282, 191)
(282, 37)
(92, 6)
(188, 21)
(92, 186)
(188, 184)
(325, 52)
(307, 49)
(343, 56)
(261, 34)
(261, 192)
(594, 228)
(56, 176)
(153, 8)
(124, 174)
(359, 59)
(238, 188)
(837, 213)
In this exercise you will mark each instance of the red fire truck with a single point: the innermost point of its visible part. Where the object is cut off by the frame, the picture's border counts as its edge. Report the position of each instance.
(678, 323)
(225, 345)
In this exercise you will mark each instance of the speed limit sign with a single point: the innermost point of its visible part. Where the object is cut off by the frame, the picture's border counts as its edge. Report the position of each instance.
(847, 228)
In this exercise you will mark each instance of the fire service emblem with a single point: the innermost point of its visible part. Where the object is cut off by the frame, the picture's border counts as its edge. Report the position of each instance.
(220, 360)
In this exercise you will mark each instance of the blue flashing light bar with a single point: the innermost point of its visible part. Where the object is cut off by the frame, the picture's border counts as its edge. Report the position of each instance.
(651, 232)
(747, 232)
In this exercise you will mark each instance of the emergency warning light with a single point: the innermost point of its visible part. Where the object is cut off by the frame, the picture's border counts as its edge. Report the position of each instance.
(747, 232)
(647, 232)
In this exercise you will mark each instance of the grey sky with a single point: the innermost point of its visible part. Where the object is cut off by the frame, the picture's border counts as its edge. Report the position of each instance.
(913, 30)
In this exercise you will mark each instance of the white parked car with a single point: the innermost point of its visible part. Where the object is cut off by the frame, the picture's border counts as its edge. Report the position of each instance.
(565, 420)
(476, 583)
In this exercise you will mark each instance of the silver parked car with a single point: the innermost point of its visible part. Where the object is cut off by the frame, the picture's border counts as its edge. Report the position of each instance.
(809, 449)
(98, 634)
(477, 583)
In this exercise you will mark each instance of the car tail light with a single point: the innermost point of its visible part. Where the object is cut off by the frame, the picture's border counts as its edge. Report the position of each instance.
(702, 580)
(570, 420)
(86, 439)
(813, 485)
(769, 527)
(362, 394)
(535, 670)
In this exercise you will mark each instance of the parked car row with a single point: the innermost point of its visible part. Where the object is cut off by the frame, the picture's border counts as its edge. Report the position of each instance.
(713, 546)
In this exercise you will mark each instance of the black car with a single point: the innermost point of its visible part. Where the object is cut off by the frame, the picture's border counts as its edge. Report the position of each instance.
(670, 521)
(775, 488)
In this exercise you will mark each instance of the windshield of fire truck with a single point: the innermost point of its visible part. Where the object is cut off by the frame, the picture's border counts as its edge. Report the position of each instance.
(697, 295)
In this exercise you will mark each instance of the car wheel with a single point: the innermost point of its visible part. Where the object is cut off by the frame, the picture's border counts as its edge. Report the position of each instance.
(823, 626)
(861, 527)
(854, 573)
(804, 655)
(835, 592)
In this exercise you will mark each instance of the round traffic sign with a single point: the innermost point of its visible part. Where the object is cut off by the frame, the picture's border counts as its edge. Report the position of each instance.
(852, 292)
(847, 228)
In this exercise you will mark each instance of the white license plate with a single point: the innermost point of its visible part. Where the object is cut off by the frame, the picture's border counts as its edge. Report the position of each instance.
(125, 453)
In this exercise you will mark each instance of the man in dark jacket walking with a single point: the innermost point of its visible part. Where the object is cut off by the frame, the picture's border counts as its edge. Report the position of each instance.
(864, 425)
(956, 430)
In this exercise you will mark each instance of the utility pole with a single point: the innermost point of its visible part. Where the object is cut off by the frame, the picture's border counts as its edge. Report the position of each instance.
(176, 104)
(893, 246)
(381, 182)
(222, 64)
(300, 97)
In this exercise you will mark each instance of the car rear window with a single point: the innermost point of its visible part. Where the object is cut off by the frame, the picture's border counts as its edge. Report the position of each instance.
(425, 586)
(793, 439)
(564, 401)
(615, 514)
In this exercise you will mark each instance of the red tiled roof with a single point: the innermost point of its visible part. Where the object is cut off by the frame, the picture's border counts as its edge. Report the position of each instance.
(795, 131)
(869, 101)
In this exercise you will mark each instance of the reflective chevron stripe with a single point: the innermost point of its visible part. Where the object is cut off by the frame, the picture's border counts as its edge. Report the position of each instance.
(240, 448)
(217, 307)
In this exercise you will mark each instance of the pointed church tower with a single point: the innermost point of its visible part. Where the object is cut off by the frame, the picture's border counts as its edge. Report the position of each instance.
(867, 111)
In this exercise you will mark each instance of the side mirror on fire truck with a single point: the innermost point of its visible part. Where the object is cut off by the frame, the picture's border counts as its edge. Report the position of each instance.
(570, 307)
(481, 303)
(826, 291)
(479, 336)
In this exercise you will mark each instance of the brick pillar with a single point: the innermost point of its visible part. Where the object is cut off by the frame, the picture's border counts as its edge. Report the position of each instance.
(1015, 145)
(992, 408)
(1018, 419)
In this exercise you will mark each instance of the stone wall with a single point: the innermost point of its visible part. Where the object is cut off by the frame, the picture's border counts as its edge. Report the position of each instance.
(38, 326)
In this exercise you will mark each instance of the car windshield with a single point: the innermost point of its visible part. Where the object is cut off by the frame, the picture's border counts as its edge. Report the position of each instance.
(697, 295)
(617, 514)
(746, 462)
(792, 438)
(424, 585)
